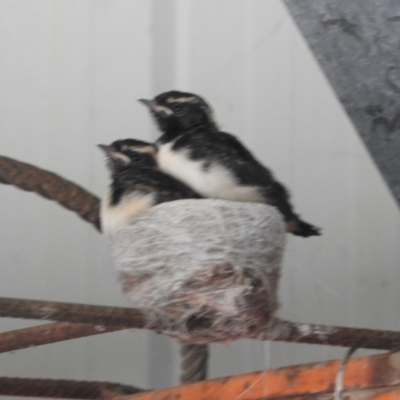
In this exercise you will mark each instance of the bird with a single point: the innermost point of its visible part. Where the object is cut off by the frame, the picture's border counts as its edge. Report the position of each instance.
(213, 163)
(136, 184)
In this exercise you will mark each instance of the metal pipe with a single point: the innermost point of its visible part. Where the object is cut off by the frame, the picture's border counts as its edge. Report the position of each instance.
(133, 318)
(194, 362)
(70, 312)
(51, 186)
(49, 333)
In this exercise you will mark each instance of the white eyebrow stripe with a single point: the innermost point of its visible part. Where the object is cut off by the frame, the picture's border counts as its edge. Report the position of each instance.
(166, 110)
(143, 149)
(124, 158)
(191, 99)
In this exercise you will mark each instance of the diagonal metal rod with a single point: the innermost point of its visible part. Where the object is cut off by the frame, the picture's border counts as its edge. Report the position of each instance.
(132, 318)
(51, 186)
(49, 333)
(63, 389)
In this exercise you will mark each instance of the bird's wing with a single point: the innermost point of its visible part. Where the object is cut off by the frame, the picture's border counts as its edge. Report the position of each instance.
(226, 150)
(166, 187)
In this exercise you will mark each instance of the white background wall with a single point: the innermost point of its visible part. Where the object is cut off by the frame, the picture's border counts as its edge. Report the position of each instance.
(70, 74)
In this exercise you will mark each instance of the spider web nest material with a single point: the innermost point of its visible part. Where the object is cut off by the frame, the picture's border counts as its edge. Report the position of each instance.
(208, 268)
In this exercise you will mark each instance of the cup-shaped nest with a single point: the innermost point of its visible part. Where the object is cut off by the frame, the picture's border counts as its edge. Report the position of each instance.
(208, 269)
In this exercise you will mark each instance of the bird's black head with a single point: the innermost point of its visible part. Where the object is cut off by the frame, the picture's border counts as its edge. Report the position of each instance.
(128, 153)
(178, 112)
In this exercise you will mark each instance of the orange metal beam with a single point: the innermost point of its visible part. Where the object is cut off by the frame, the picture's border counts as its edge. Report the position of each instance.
(373, 378)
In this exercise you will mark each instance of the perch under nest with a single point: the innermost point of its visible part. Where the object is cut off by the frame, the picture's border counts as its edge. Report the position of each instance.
(208, 269)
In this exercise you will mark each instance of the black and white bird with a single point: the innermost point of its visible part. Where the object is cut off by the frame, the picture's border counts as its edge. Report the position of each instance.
(137, 183)
(215, 164)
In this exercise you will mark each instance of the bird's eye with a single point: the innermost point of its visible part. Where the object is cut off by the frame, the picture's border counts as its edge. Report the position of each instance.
(177, 107)
(134, 157)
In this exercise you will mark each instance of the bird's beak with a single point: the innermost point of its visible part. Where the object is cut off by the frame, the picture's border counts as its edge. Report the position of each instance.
(114, 155)
(148, 103)
(107, 149)
(156, 108)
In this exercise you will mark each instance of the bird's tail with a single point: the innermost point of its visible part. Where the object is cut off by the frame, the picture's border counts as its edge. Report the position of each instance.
(300, 228)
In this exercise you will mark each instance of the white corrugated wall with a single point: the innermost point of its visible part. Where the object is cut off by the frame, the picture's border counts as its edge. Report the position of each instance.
(70, 74)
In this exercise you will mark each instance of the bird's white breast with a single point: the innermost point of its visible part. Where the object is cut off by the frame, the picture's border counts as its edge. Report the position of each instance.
(114, 217)
(215, 182)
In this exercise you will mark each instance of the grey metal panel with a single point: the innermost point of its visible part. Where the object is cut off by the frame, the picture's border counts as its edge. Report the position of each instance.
(357, 43)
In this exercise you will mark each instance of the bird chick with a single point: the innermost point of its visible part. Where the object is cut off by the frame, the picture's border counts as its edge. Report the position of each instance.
(215, 164)
(137, 183)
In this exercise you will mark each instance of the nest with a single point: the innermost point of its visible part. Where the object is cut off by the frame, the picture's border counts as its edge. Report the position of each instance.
(208, 269)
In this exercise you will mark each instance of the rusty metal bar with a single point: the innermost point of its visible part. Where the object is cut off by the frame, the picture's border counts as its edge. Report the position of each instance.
(52, 186)
(287, 331)
(71, 312)
(133, 318)
(49, 333)
(194, 362)
(63, 389)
